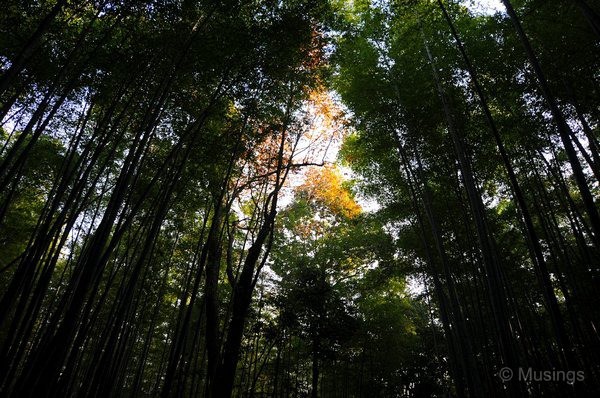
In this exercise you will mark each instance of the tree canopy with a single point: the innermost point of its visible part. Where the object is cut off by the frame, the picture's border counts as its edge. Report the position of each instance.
(368, 198)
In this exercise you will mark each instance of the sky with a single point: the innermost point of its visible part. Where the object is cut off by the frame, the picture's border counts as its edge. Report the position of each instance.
(484, 6)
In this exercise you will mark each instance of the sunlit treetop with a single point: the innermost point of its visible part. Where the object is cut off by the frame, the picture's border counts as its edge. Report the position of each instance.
(325, 187)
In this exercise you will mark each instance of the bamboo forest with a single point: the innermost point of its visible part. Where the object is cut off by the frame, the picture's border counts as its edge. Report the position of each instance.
(299, 198)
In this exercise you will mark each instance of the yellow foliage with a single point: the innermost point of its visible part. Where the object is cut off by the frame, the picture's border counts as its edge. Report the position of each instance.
(329, 113)
(324, 186)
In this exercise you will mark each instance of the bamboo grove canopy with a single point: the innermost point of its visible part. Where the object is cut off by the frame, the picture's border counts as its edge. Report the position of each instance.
(385, 198)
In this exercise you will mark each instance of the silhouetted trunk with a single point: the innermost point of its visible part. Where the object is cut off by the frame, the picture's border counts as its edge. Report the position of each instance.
(538, 256)
(563, 129)
(486, 244)
(30, 46)
(314, 381)
(590, 15)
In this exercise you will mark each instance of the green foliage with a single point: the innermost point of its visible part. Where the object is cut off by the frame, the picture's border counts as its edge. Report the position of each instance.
(144, 147)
